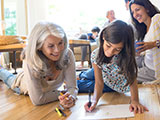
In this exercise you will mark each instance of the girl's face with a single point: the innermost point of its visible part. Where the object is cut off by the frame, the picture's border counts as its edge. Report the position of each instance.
(139, 13)
(53, 47)
(112, 49)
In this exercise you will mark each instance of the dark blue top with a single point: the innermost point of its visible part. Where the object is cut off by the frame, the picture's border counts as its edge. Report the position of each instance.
(90, 37)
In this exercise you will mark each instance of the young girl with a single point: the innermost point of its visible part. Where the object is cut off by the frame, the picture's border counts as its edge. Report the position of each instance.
(146, 19)
(47, 60)
(114, 64)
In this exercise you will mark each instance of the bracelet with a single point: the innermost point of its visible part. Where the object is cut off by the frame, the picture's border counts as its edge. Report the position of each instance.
(158, 43)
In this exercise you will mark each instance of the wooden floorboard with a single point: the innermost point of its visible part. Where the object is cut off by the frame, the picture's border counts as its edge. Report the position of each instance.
(19, 107)
(148, 95)
(158, 91)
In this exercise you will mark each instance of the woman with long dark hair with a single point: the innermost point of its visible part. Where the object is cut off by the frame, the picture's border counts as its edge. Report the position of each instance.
(146, 19)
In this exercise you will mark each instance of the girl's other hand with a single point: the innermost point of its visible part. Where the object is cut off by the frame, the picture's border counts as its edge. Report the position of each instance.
(136, 107)
(66, 100)
(91, 108)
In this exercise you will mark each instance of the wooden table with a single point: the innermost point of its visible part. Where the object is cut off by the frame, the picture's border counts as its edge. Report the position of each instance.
(13, 48)
(19, 107)
(79, 42)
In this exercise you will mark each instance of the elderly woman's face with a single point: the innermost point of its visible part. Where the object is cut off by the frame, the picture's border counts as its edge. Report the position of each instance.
(53, 47)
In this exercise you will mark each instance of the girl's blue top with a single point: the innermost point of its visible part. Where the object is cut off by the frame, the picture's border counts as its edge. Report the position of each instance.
(111, 73)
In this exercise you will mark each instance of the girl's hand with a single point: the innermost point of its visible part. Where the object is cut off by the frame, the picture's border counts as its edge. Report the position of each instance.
(91, 108)
(66, 100)
(136, 107)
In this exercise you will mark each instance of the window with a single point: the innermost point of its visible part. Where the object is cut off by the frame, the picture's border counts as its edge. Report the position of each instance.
(14, 17)
(10, 17)
(77, 15)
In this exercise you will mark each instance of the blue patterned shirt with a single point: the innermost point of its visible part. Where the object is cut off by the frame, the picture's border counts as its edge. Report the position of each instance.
(111, 74)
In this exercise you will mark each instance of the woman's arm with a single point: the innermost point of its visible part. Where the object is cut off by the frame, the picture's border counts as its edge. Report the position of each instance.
(99, 85)
(35, 89)
(68, 99)
(135, 106)
(70, 76)
(153, 34)
(146, 46)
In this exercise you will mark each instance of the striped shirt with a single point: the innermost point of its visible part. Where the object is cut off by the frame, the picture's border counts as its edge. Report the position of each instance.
(152, 56)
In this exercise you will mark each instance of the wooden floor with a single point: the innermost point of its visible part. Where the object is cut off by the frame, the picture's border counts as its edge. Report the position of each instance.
(19, 107)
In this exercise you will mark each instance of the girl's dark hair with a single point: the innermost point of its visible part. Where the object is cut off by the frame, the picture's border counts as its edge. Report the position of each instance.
(116, 32)
(151, 11)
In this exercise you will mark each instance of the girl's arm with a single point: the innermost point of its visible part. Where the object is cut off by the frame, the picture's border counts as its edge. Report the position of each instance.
(99, 84)
(135, 106)
(134, 92)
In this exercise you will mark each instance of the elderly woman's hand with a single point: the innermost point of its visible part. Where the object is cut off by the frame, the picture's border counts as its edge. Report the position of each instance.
(66, 100)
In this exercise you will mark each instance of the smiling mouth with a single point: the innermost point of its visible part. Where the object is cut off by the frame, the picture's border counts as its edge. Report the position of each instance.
(138, 18)
(55, 55)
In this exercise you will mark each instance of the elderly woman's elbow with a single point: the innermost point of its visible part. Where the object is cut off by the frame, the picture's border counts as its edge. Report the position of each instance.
(37, 103)
(40, 100)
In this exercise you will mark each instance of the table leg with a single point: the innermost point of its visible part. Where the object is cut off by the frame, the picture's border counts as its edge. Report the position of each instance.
(90, 64)
(72, 47)
(15, 63)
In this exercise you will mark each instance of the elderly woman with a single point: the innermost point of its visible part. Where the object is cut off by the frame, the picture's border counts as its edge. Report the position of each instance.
(47, 60)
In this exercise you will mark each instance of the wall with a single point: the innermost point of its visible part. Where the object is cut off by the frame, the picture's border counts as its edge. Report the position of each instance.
(156, 3)
(0, 11)
(36, 12)
(22, 28)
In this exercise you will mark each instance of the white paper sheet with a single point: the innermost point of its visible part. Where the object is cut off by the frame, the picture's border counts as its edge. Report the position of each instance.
(103, 112)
